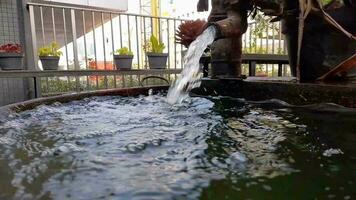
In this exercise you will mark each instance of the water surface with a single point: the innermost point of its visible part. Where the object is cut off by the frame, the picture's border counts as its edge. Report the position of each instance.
(144, 148)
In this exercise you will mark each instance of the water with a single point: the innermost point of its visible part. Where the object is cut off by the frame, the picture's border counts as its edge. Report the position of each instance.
(144, 148)
(191, 76)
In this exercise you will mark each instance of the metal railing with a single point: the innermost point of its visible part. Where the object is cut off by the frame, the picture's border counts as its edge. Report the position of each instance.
(265, 39)
(88, 37)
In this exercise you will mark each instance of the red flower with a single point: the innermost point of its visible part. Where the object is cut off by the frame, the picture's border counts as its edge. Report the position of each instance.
(10, 48)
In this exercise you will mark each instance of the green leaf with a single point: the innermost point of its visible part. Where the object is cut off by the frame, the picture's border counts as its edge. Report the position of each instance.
(123, 51)
(155, 45)
(51, 50)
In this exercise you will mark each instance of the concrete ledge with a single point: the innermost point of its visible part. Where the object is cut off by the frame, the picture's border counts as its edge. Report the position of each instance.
(293, 93)
(30, 104)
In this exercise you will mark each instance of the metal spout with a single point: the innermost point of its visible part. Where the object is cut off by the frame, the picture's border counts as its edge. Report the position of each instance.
(230, 27)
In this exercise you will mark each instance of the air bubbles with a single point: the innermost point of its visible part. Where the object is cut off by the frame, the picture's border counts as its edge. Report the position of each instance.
(330, 152)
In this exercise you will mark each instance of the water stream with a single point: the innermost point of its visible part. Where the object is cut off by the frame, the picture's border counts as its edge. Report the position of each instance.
(191, 76)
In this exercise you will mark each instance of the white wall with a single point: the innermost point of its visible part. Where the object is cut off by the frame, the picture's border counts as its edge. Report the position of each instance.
(112, 4)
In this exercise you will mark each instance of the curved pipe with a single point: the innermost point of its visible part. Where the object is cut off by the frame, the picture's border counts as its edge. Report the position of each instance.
(230, 27)
(153, 77)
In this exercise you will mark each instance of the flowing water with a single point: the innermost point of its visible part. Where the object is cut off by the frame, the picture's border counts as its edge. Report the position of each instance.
(191, 75)
(144, 148)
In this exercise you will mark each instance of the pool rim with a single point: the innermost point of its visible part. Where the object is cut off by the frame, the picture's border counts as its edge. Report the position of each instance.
(68, 97)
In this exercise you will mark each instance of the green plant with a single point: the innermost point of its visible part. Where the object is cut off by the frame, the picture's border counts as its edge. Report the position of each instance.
(326, 2)
(154, 46)
(51, 50)
(124, 51)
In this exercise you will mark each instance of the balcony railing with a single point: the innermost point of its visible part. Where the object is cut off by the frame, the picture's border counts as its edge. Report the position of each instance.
(88, 37)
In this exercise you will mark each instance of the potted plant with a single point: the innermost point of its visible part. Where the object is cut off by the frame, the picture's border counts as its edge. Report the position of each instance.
(11, 57)
(123, 58)
(49, 56)
(154, 51)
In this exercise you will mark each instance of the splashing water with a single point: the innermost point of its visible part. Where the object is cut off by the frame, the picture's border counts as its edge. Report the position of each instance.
(191, 76)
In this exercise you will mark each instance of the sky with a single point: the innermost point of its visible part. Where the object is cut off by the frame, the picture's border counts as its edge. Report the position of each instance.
(173, 8)
(185, 9)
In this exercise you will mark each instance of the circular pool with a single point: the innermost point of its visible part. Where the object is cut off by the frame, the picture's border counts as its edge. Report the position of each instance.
(116, 147)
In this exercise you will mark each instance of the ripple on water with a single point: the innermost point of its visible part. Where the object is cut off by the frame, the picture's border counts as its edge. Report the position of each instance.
(134, 148)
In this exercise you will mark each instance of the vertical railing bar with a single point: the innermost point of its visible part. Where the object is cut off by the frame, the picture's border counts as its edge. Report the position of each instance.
(123, 81)
(74, 37)
(279, 37)
(95, 53)
(181, 51)
(120, 29)
(33, 36)
(121, 45)
(273, 37)
(88, 83)
(128, 31)
(284, 38)
(168, 45)
(85, 40)
(53, 26)
(85, 47)
(267, 39)
(137, 44)
(112, 45)
(159, 28)
(104, 50)
(66, 42)
(42, 26)
(144, 39)
(54, 31)
(261, 43)
(43, 35)
(169, 49)
(151, 25)
(175, 46)
(129, 40)
(159, 20)
(245, 41)
(255, 38)
(65, 36)
(103, 38)
(250, 38)
(75, 48)
(284, 44)
(112, 36)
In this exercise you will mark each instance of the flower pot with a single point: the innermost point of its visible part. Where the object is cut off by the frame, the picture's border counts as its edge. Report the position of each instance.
(157, 60)
(123, 62)
(49, 62)
(11, 61)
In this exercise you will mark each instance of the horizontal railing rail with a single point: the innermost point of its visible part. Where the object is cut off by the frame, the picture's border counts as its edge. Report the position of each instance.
(49, 83)
(62, 73)
(49, 4)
